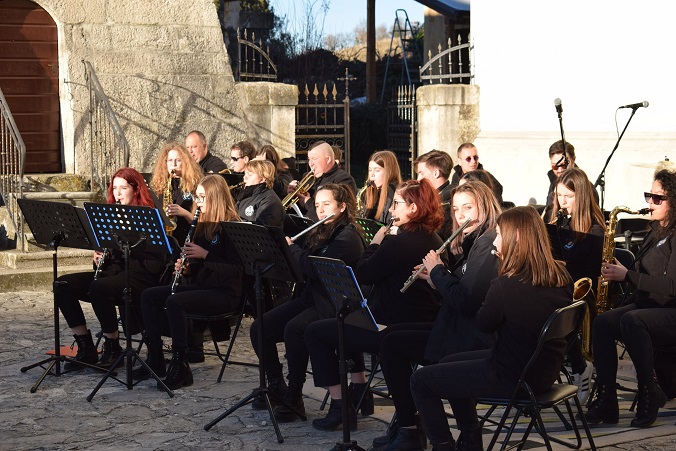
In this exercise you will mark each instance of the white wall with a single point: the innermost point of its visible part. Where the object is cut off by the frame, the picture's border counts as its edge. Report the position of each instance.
(595, 56)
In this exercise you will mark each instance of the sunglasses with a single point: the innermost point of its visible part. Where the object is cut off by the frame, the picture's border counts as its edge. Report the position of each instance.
(657, 198)
(235, 158)
(475, 158)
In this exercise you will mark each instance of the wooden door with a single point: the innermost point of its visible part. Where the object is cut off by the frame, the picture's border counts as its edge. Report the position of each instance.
(29, 78)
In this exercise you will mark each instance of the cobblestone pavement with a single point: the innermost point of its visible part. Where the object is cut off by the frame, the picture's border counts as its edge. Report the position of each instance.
(58, 416)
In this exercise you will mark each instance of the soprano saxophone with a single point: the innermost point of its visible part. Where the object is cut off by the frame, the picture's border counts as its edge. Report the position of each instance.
(167, 199)
(184, 258)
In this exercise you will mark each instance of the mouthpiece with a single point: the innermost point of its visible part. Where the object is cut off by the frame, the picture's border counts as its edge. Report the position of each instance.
(644, 211)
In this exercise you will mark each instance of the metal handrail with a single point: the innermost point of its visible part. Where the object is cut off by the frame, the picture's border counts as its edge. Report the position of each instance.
(109, 146)
(12, 164)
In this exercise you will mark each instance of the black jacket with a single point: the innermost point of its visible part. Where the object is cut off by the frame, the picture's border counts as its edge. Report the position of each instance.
(260, 205)
(462, 294)
(334, 175)
(385, 215)
(457, 174)
(212, 164)
(222, 268)
(387, 266)
(184, 200)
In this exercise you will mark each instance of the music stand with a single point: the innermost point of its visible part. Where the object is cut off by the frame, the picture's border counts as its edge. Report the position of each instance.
(343, 289)
(370, 227)
(116, 227)
(54, 224)
(264, 252)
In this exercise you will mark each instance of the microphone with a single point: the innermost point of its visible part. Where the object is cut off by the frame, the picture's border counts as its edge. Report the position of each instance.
(634, 106)
(557, 104)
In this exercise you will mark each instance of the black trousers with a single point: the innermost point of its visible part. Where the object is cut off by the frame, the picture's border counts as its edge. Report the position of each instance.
(160, 307)
(459, 378)
(104, 294)
(641, 330)
(285, 323)
(402, 346)
(321, 338)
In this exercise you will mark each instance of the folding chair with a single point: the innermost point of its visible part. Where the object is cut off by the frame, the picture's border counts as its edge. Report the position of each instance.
(560, 325)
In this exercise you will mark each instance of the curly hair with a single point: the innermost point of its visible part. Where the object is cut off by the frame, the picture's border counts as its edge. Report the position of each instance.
(428, 217)
(190, 170)
(135, 179)
(667, 179)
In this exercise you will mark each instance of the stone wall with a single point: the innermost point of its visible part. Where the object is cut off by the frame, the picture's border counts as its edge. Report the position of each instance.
(448, 115)
(165, 69)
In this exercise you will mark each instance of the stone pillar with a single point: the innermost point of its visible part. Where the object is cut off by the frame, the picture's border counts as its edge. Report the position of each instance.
(448, 115)
(272, 111)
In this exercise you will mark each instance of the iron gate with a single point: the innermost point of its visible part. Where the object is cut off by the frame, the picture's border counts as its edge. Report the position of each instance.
(402, 128)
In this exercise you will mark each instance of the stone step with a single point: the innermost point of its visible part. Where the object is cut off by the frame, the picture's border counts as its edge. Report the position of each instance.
(14, 259)
(37, 279)
(73, 198)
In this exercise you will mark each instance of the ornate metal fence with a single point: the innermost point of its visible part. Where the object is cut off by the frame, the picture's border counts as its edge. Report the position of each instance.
(322, 116)
(402, 127)
(12, 160)
(453, 65)
(253, 61)
(109, 146)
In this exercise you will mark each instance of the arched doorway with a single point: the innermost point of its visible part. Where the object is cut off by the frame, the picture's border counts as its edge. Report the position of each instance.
(29, 79)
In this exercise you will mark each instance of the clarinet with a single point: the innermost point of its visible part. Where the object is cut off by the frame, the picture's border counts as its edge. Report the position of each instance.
(416, 274)
(105, 252)
(183, 257)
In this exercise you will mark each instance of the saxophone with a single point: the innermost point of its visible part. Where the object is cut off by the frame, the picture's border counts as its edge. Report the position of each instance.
(169, 228)
(361, 202)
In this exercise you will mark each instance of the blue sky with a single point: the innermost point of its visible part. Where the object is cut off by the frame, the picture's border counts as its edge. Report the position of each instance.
(344, 15)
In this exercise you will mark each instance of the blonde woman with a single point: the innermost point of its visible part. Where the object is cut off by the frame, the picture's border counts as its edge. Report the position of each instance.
(257, 202)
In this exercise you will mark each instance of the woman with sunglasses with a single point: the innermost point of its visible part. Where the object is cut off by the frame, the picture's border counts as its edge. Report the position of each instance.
(383, 178)
(385, 265)
(214, 274)
(579, 242)
(176, 164)
(647, 320)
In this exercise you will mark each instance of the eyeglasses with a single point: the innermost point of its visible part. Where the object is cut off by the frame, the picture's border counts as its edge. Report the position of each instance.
(469, 159)
(199, 198)
(559, 164)
(395, 203)
(657, 198)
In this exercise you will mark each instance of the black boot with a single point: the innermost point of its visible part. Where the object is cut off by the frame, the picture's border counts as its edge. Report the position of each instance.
(294, 400)
(276, 392)
(86, 353)
(381, 442)
(604, 409)
(470, 440)
(111, 351)
(450, 446)
(334, 418)
(155, 360)
(356, 391)
(650, 399)
(407, 439)
(178, 373)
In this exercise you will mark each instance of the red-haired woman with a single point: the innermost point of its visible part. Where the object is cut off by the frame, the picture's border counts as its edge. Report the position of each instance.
(127, 188)
(386, 264)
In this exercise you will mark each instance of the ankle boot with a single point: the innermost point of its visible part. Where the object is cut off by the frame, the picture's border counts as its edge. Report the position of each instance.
(86, 353)
(356, 391)
(407, 439)
(650, 399)
(276, 392)
(334, 418)
(470, 440)
(294, 400)
(155, 360)
(178, 374)
(111, 351)
(382, 441)
(604, 409)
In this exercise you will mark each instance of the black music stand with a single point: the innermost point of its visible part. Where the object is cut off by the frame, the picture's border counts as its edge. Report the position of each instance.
(343, 289)
(370, 227)
(117, 227)
(264, 252)
(54, 224)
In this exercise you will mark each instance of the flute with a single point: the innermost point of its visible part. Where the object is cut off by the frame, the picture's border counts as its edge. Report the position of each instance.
(312, 227)
(416, 274)
(183, 257)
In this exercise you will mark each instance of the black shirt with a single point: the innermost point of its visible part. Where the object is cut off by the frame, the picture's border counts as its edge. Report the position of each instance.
(260, 205)
(212, 164)
(335, 175)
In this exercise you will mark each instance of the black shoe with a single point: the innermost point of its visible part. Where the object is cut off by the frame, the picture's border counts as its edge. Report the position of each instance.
(356, 391)
(293, 404)
(334, 418)
(470, 440)
(276, 392)
(650, 399)
(407, 439)
(155, 361)
(381, 442)
(178, 374)
(111, 351)
(86, 353)
(604, 409)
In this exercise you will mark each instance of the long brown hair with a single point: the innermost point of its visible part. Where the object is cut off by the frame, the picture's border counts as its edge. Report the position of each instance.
(190, 170)
(487, 206)
(320, 234)
(526, 252)
(387, 160)
(428, 217)
(586, 212)
(221, 206)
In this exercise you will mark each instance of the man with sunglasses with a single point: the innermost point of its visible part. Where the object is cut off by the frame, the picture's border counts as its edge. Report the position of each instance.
(468, 161)
(240, 154)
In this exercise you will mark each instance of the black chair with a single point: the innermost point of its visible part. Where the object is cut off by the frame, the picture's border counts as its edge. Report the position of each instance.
(560, 325)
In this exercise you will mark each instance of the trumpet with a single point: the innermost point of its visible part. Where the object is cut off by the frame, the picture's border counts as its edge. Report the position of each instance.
(238, 186)
(322, 221)
(443, 247)
(183, 257)
(302, 188)
(225, 171)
